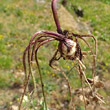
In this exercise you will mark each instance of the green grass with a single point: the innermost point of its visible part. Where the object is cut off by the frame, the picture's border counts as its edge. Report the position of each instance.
(5, 62)
(105, 1)
(6, 79)
(97, 14)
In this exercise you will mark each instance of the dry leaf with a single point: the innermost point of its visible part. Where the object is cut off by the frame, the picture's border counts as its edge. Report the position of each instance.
(97, 83)
(84, 99)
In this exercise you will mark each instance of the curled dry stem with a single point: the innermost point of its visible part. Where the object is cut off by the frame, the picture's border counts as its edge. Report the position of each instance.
(65, 76)
(27, 76)
(93, 53)
(81, 78)
(69, 87)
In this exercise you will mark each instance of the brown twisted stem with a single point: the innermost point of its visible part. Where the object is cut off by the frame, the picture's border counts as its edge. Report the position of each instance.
(25, 51)
(45, 33)
(27, 76)
(33, 49)
(24, 61)
(94, 60)
(81, 78)
(94, 55)
(54, 59)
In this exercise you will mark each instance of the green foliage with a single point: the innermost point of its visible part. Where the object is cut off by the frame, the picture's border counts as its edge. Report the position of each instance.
(105, 1)
(50, 86)
(5, 62)
(2, 45)
(43, 105)
(79, 108)
(97, 14)
(5, 80)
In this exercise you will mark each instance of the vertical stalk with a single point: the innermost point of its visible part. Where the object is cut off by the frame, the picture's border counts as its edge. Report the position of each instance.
(55, 15)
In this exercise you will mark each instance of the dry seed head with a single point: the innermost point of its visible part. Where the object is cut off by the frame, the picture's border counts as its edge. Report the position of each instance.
(68, 48)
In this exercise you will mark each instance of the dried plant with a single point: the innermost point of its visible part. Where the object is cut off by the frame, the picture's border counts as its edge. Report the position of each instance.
(68, 48)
